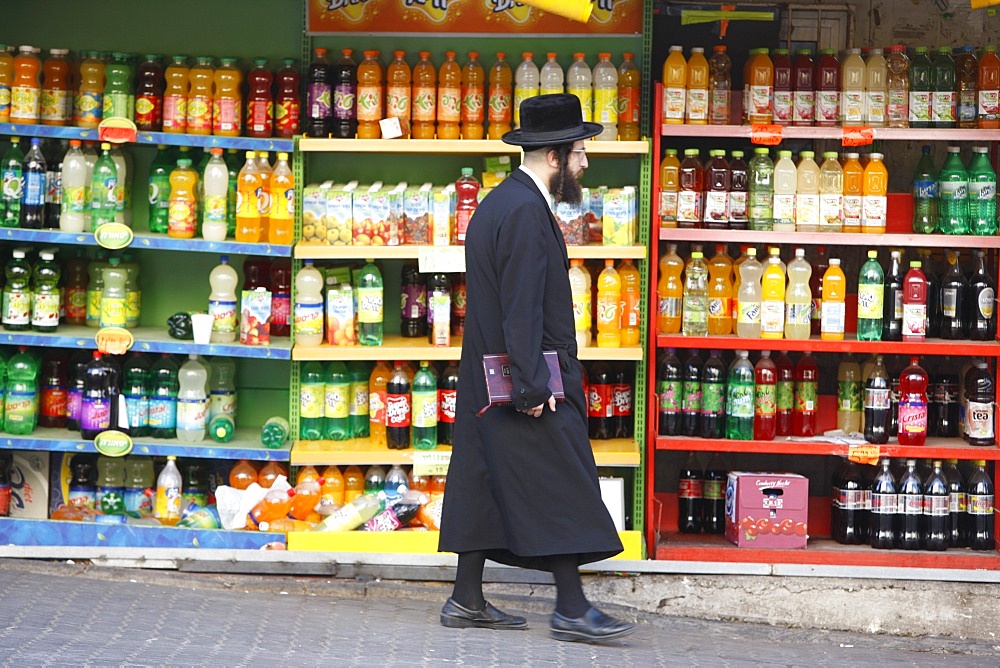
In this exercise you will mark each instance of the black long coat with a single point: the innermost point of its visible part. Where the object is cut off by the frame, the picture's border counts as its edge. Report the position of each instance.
(521, 488)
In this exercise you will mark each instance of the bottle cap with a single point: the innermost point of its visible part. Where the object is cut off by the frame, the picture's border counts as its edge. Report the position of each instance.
(807, 154)
(834, 262)
(873, 254)
(784, 154)
(736, 154)
(830, 155)
(915, 264)
(697, 255)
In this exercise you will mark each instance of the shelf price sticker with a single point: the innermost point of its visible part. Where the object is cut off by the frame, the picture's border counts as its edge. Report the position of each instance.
(765, 134)
(114, 340)
(859, 135)
(441, 259)
(864, 454)
(113, 443)
(113, 236)
(431, 462)
(117, 130)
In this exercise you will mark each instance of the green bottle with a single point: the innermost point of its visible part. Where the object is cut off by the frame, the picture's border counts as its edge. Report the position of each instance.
(13, 183)
(925, 192)
(45, 293)
(113, 296)
(944, 99)
(119, 94)
(17, 293)
(312, 398)
(982, 193)
(424, 409)
(358, 410)
(920, 89)
(95, 288)
(336, 406)
(953, 195)
(740, 398)
(871, 299)
(103, 189)
(159, 189)
(21, 399)
(370, 305)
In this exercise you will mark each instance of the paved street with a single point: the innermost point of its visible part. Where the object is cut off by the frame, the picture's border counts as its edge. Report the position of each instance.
(57, 614)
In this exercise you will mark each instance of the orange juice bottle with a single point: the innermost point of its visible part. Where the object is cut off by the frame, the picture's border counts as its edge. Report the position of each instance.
(25, 90)
(772, 307)
(631, 320)
(332, 490)
(281, 218)
(449, 100)
(378, 383)
(370, 93)
(834, 293)
(609, 298)
(182, 212)
(473, 98)
(697, 88)
(501, 97)
(227, 101)
(853, 193)
(88, 105)
(423, 109)
(199, 107)
(264, 172)
(720, 293)
(55, 107)
(761, 91)
(874, 187)
(354, 483)
(674, 86)
(670, 292)
(629, 90)
(6, 79)
(175, 95)
(397, 91)
(248, 185)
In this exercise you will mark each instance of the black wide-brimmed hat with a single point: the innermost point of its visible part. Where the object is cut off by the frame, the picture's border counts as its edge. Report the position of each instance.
(547, 120)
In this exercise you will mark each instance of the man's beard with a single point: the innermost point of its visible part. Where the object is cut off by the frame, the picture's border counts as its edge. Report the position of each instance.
(565, 187)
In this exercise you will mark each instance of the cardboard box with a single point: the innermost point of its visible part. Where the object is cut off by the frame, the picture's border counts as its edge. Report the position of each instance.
(395, 223)
(442, 215)
(255, 317)
(767, 509)
(314, 213)
(339, 203)
(497, 163)
(617, 217)
(29, 484)
(370, 216)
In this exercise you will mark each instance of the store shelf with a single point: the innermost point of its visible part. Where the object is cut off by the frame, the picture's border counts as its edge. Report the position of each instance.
(146, 240)
(209, 141)
(675, 546)
(836, 133)
(829, 238)
(127, 534)
(245, 445)
(397, 347)
(316, 252)
(455, 146)
(848, 345)
(935, 448)
(147, 340)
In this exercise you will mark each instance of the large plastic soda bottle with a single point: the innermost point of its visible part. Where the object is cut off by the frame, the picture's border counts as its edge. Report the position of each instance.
(785, 186)
(876, 91)
(913, 404)
(215, 198)
(806, 396)
(473, 115)
(354, 513)
(982, 323)
(34, 188)
(580, 82)
(192, 402)
(669, 389)
(222, 302)
(97, 406)
(370, 305)
(20, 414)
(287, 100)
(136, 389)
(871, 299)
(167, 507)
(670, 292)
(260, 101)
(311, 401)
(749, 297)
(114, 299)
(873, 195)
(784, 394)
(88, 103)
(629, 88)
(199, 107)
(73, 182)
(423, 106)
(377, 384)
(892, 312)
(988, 86)
(336, 403)
(982, 193)
(222, 387)
(720, 293)
(159, 190)
(980, 509)
(920, 79)
(798, 297)
(689, 395)
(45, 302)
(944, 100)
(925, 191)
(103, 189)
(713, 398)
(807, 193)
(803, 90)
(345, 96)
(695, 310)
(783, 95)
(954, 305)
(605, 77)
(953, 191)
(281, 217)
(877, 404)
(319, 95)
(371, 93)
(579, 283)
(357, 418)
(265, 172)
(609, 297)
(398, 409)
(163, 398)
(849, 388)
(827, 80)
(139, 482)
(175, 95)
(852, 85)
(449, 98)
(631, 316)
(276, 504)
(834, 310)
(914, 303)
(281, 297)
(675, 86)
(424, 409)
(772, 308)
(501, 98)
(696, 107)
(740, 398)
(765, 399)
(54, 393)
(761, 190)
(551, 78)
(17, 293)
(308, 313)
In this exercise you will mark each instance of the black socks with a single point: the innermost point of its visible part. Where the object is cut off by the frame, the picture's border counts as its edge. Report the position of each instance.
(468, 591)
(570, 601)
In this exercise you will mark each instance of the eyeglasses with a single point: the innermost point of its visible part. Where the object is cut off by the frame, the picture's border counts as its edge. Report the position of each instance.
(578, 150)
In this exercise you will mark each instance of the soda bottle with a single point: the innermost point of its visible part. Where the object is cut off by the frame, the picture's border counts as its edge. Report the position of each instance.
(344, 123)
(982, 193)
(319, 96)
(281, 288)
(354, 513)
(720, 293)
(954, 300)
(690, 496)
(281, 215)
(423, 109)
(250, 185)
(669, 392)
(103, 189)
(827, 80)
(199, 103)
(852, 83)
(222, 303)
(849, 388)
(630, 314)
(957, 505)
(691, 179)
(831, 190)
(263, 192)
(697, 88)
(772, 307)
(761, 190)
(370, 108)
(760, 91)
(167, 507)
(34, 187)
(834, 310)
(260, 102)
(17, 293)
(606, 97)
(740, 399)
(873, 190)
(921, 84)
(136, 390)
(600, 406)
(215, 198)
(876, 89)
(785, 189)
(242, 475)
(982, 292)
(629, 87)
(882, 529)
(73, 183)
(871, 299)
(192, 401)
(714, 496)
(473, 98)
(413, 314)
(312, 400)
(914, 317)
(855, 506)
(425, 409)
(749, 297)
(20, 414)
(45, 293)
(937, 523)
(446, 397)
(953, 186)
(925, 194)
(449, 100)
(688, 396)
(784, 394)
(806, 394)
(911, 521)
(716, 183)
(96, 406)
(783, 96)
(377, 384)
(308, 306)
(988, 86)
(119, 89)
(579, 283)
(892, 311)
(139, 482)
(501, 94)
(675, 79)
(54, 393)
(396, 484)
(621, 400)
(980, 509)
(335, 405)
(980, 394)
(897, 87)
(609, 297)
(913, 404)
(967, 75)
(695, 310)
(398, 409)
(765, 399)
(946, 406)
(467, 192)
(670, 292)
(943, 85)
(713, 397)
(370, 302)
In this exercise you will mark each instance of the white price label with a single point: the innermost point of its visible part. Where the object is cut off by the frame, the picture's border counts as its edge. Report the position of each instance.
(447, 259)
(431, 462)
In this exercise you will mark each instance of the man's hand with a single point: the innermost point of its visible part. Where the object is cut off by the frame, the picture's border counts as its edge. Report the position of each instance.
(537, 410)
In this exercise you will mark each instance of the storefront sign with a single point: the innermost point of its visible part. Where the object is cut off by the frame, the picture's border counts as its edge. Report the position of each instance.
(492, 17)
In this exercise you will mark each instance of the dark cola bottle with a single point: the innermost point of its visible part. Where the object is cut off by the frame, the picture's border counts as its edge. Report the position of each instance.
(713, 506)
(892, 310)
(691, 405)
(713, 397)
(911, 508)
(878, 403)
(447, 399)
(855, 506)
(599, 396)
(882, 529)
(980, 509)
(982, 302)
(690, 495)
(622, 419)
(946, 405)
(937, 523)
(957, 504)
(397, 409)
(413, 306)
(668, 394)
(954, 291)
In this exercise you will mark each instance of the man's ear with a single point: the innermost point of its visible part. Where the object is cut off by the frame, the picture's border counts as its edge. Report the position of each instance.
(552, 158)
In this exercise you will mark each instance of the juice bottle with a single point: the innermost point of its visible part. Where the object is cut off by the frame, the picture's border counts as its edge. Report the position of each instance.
(629, 89)
(849, 384)
(852, 85)
(631, 316)
(854, 179)
(6, 79)
(749, 297)
(914, 303)
(76, 279)
(988, 84)
(175, 95)
(580, 82)
(260, 102)
(876, 91)
(874, 188)
(798, 297)
(526, 83)
(694, 313)
(717, 183)
(760, 190)
(675, 86)
(785, 184)
(920, 88)
(670, 292)
(697, 86)
(113, 295)
(397, 91)
(501, 96)
(720, 293)
(473, 112)
(370, 93)
(287, 100)
(467, 196)
(834, 292)
(264, 171)
(831, 194)
(88, 103)
(119, 90)
(55, 105)
(897, 83)
(739, 179)
(449, 98)
(967, 74)
(345, 97)
(827, 80)
(761, 94)
(783, 87)
(691, 187)
(807, 193)
(247, 211)
(803, 90)
(319, 95)
(609, 297)
(25, 88)
(735, 279)
(227, 100)
(551, 78)
(579, 284)
(215, 198)
(423, 109)
(281, 217)
(669, 187)
(943, 96)
(606, 97)
(182, 212)
(772, 305)
(913, 404)
(150, 87)
(199, 106)
(167, 507)
(377, 383)
(806, 396)
(765, 399)
(720, 69)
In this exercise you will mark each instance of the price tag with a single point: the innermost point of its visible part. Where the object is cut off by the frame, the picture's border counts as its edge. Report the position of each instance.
(861, 135)
(765, 135)
(431, 462)
(114, 340)
(864, 454)
(113, 443)
(443, 259)
(116, 130)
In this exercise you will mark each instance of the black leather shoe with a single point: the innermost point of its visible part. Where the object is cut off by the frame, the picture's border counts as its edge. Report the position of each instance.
(594, 626)
(456, 616)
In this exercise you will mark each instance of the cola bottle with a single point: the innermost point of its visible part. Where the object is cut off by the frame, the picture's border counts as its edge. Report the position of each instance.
(882, 528)
(668, 393)
(980, 509)
(878, 403)
(621, 399)
(413, 307)
(945, 406)
(713, 396)
(849, 521)
(957, 504)
(937, 523)
(911, 508)
(397, 409)
(713, 508)
(599, 398)
(691, 398)
(447, 398)
(690, 494)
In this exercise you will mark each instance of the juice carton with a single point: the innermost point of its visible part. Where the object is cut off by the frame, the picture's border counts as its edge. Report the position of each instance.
(442, 215)
(595, 216)
(314, 213)
(380, 213)
(417, 214)
(339, 207)
(396, 199)
(361, 214)
(255, 317)
(339, 309)
(491, 179)
(572, 219)
(616, 217)
(497, 163)
(757, 502)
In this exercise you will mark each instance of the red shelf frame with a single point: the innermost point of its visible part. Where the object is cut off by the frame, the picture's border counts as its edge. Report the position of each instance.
(817, 345)
(935, 448)
(836, 133)
(704, 235)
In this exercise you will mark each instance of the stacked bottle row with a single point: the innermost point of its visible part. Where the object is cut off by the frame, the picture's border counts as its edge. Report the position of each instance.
(263, 305)
(840, 195)
(907, 88)
(201, 99)
(959, 199)
(775, 301)
(616, 297)
(919, 506)
(455, 101)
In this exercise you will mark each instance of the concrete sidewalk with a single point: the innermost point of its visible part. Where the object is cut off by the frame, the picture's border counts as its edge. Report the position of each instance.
(56, 613)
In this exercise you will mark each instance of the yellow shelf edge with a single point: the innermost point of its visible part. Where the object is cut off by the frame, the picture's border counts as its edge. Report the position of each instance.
(304, 251)
(455, 146)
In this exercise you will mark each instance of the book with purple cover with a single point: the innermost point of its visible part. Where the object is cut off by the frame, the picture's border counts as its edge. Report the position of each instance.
(500, 386)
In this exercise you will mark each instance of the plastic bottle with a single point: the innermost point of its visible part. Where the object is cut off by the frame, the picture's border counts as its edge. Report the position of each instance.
(119, 89)
(370, 305)
(609, 296)
(72, 217)
(980, 394)
(980, 509)
(957, 505)
(163, 398)
(336, 403)
(785, 185)
(713, 398)
(159, 190)
(308, 316)
(449, 98)
(606, 97)
(772, 312)
(629, 106)
(182, 212)
(398, 409)
(281, 216)
(749, 297)
(216, 198)
(45, 297)
(311, 402)
(806, 394)
(849, 388)
(783, 98)
(319, 95)
(784, 394)
(221, 387)
(670, 291)
(803, 90)
(913, 404)
(467, 196)
(982, 292)
(371, 93)
(199, 103)
(473, 113)
(739, 179)
(695, 309)
(150, 86)
(920, 80)
(264, 172)
(167, 507)
(424, 409)
(765, 400)
(669, 391)
(175, 95)
(55, 102)
(345, 97)
(909, 519)
(222, 301)
(287, 100)
(874, 188)
(988, 87)
(852, 82)
(967, 98)
(631, 314)
(54, 152)
(97, 405)
(740, 399)
(136, 390)
(139, 483)
(854, 182)
(953, 192)
(720, 293)
(123, 186)
(669, 187)
(33, 194)
(697, 86)
(944, 98)
(423, 107)
(897, 87)
(192, 402)
(914, 304)
(260, 101)
(579, 283)
(716, 181)
(761, 191)
(691, 190)
(925, 190)
(438, 309)
(113, 296)
(675, 78)
(690, 493)
(249, 185)
(17, 293)
(807, 194)
(600, 401)
(88, 103)
(834, 311)
(827, 80)
(377, 384)
(982, 193)
(954, 304)
(25, 90)
(54, 393)
(876, 91)
(871, 299)
(798, 298)
(759, 103)
(831, 197)
(242, 475)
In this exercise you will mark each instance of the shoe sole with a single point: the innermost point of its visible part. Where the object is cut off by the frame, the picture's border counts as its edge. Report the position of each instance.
(459, 623)
(576, 636)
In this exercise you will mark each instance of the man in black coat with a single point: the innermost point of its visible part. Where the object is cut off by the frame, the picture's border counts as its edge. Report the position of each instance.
(522, 486)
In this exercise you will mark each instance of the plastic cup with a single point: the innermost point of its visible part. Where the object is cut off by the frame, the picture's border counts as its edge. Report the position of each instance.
(201, 324)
